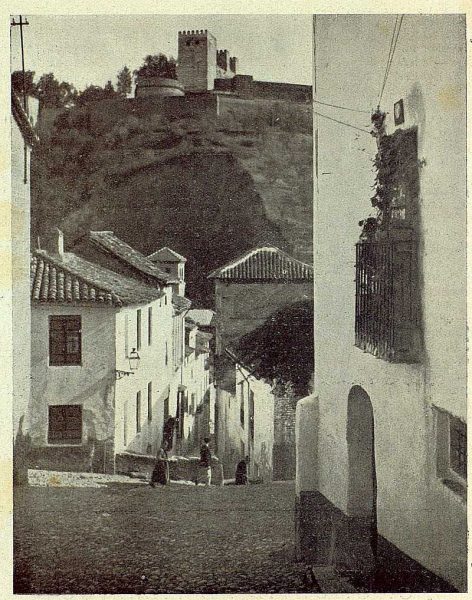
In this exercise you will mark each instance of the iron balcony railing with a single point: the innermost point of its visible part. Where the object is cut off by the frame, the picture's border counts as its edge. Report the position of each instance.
(387, 302)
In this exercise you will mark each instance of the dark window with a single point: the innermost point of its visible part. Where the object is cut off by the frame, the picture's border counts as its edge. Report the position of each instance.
(388, 314)
(65, 424)
(65, 340)
(166, 408)
(138, 412)
(149, 325)
(149, 399)
(458, 446)
(167, 354)
(241, 404)
(387, 323)
(125, 423)
(251, 414)
(138, 329)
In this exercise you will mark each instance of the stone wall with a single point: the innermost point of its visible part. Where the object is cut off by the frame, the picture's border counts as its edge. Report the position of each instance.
(284, 438)
(245, 86)
(181, 468)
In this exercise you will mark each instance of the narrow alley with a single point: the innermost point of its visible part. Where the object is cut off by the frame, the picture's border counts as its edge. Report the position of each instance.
(174, 539)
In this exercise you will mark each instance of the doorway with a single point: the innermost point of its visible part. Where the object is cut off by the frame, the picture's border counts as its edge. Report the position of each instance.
(362, 483)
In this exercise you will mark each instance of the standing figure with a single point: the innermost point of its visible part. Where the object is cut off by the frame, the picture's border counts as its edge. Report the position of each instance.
(205, 462)
(161, 470)
(241, 477)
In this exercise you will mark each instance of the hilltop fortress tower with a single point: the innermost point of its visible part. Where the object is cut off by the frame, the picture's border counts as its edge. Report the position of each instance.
(200, 62)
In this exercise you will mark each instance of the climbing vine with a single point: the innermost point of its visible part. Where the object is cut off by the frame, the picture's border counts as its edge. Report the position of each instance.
(396, 167)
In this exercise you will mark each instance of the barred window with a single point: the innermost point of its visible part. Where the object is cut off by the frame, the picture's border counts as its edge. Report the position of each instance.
(65, 340)
(458, 446)
(138, 412)
(65, 424)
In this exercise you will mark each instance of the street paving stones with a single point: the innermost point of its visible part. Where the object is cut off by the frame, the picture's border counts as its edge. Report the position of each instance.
(174, 539)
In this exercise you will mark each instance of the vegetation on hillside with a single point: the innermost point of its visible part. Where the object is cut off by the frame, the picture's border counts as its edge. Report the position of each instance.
(210, 187)
(158, 65)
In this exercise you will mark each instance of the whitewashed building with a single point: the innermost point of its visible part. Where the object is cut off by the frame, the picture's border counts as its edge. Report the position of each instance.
(382, 444)
(23, 139)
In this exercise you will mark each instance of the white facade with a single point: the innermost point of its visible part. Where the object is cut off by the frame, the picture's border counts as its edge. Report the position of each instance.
(142, 396)
(20, 309)
(121, 406)
(415, 508)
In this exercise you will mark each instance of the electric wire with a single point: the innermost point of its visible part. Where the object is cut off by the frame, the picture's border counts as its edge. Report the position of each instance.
(341, 122)
(393, 46)
(368, 112)
(388, 58)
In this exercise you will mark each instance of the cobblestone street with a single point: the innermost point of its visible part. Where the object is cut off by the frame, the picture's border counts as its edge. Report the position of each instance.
(136, 539)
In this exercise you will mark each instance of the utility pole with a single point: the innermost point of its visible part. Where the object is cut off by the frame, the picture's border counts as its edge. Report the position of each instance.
(20, 24)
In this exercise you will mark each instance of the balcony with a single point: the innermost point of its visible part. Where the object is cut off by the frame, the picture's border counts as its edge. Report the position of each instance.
(387, 300)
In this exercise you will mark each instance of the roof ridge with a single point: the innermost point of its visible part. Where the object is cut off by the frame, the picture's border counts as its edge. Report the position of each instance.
(249, 253)
(156, 272)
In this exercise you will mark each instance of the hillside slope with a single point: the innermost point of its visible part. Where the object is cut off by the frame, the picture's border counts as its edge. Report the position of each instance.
(208, 187)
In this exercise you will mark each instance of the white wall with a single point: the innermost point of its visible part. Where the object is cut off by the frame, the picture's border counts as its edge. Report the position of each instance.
(152, 368)
(415, 510)
(21, 313)
(91, 384)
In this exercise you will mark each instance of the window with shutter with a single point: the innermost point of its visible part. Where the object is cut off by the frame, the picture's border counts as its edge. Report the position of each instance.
(65, 340)
(65, 424)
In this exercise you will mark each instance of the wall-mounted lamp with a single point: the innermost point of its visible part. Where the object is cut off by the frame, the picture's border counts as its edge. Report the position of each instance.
(134, 359)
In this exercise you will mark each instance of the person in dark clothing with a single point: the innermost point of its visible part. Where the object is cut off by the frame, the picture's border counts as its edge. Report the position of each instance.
(241, 477)
(161, 470)
(205, 462)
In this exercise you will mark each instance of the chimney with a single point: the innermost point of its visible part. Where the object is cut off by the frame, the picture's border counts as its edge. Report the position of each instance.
(52, 242)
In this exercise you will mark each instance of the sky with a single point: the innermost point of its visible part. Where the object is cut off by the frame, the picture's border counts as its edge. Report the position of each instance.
(91, 49)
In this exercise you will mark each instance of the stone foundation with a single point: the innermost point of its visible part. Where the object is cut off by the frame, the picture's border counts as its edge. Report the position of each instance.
(97, 457)
(325, 536)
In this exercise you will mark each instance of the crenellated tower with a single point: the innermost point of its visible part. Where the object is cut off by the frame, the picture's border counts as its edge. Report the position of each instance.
(196, 68)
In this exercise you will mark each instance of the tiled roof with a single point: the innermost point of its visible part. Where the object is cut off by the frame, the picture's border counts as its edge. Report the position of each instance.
(22, 120)
(106, 240)
(201, 316)
(71, 279)
(181, 304)
(166, 255)
(265, 264)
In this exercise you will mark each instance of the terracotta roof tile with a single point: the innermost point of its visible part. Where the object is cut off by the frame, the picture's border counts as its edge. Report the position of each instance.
(181, 304)
(166, 254)
(265, 264)
(201, 316)
(106, 240)
(71, 279)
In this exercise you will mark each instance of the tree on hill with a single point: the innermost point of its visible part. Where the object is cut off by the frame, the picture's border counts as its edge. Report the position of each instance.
(52, 94)
(158, 65)
(281, 350)
(95, 93)
(123, 82)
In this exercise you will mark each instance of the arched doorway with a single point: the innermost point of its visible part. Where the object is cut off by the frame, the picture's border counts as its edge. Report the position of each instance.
(362, 484)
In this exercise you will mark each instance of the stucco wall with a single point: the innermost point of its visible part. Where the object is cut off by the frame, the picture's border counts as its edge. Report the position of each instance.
(92, 384)
(241, 307)
(20, 222)
(262, 450)
(152, 369)
(415, 510)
